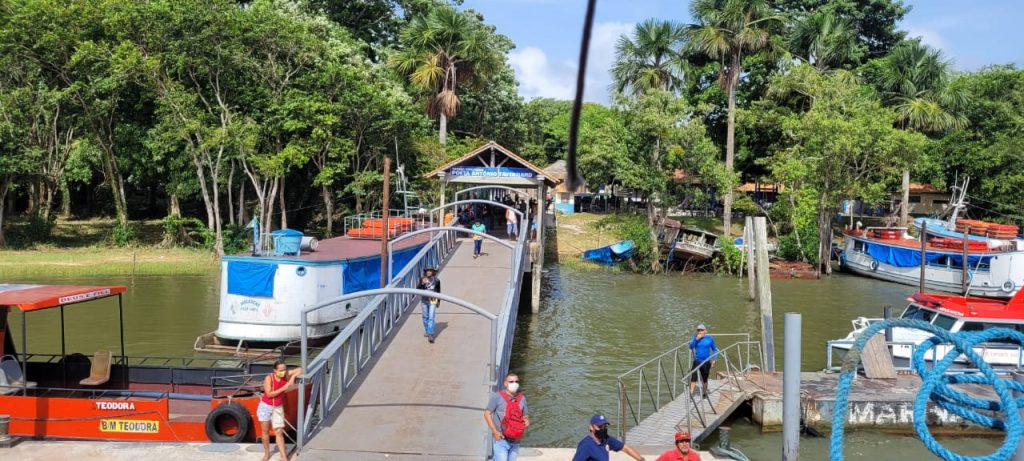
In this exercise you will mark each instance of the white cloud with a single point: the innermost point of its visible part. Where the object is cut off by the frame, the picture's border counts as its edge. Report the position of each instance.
(540, 77)
(929, 36)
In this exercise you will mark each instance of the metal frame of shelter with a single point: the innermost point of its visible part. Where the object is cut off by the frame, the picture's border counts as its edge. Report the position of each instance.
(63, 343)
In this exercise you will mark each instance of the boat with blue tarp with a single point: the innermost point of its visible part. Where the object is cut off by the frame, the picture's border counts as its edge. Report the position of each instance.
(609, 254)
(263, 295)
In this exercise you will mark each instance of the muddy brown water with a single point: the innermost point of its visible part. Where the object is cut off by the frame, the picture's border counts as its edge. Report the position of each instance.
(592, 327)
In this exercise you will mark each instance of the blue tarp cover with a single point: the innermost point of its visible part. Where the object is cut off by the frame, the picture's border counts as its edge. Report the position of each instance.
(908, 257)
(251, 279)
(364, 274)
(611, 253)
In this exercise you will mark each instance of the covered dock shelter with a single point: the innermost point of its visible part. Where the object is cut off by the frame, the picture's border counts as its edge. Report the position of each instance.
(492, 171)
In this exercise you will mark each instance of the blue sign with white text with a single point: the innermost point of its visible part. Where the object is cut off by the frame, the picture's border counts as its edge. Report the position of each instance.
(492, 172)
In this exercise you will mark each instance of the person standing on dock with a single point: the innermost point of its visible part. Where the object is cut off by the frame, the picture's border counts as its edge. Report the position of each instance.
(682, 451)
(507, 418)
(596, 445)
(270, 411)
(429, 282)
(478, 241)
(510, 223)
(704, 354)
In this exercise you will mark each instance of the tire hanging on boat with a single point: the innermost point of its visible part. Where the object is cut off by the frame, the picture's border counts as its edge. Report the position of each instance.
(1008, 286)
(228, 423)
(874, 265)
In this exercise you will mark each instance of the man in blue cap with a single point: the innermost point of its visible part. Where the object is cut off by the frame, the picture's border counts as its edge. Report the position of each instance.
(597, 445)
(704, 354)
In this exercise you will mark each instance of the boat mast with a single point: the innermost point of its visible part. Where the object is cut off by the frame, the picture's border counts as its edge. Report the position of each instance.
(959, 192)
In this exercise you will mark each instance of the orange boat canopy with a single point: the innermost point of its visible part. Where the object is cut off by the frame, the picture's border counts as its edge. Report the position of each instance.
(36, 297)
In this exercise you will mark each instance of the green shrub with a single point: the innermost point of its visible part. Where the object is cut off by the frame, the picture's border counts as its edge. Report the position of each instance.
(125, 234)
(200, 236)
(730, 259)
(790, 251)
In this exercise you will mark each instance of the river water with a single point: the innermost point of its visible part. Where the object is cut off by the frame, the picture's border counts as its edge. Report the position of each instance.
(593, 326)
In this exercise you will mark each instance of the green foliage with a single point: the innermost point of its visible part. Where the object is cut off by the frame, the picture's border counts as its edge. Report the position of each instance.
(730, 259)
(123, 235)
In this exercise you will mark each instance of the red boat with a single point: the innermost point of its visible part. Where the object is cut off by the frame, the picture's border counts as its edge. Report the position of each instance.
(106, 396)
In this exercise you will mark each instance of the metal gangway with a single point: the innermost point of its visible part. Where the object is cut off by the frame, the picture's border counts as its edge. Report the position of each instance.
(380, 388)
(655, 399)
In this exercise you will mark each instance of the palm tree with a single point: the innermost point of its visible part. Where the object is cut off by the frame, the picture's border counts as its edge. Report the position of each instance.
(441, 53)
(914, 80)
(824, 40)
(652, 59)
(726, 31)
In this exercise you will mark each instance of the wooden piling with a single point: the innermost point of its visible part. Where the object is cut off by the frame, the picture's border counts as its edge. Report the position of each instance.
(764, 291)
(924, 251)
(385, 277)
(963, 264)
(748, 241)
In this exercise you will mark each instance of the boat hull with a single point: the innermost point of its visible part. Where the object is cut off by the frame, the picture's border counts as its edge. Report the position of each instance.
(998, 357)
(1003, 278)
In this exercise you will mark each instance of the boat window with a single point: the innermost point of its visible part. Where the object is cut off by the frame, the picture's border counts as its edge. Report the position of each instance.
(916, 313)
(858, 246)
(944, 321)
(942, 261)
(972, 326)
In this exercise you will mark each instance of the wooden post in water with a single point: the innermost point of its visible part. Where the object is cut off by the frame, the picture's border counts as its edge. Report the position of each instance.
(924, 251)
(764, 292)
(748, 243)
(385, 229)
(963, 264)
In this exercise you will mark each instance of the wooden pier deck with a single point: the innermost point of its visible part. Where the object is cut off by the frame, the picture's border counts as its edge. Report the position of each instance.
(422, 400)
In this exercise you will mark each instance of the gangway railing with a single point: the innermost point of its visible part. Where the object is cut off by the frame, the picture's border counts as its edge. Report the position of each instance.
(332, 373)
(655, 383)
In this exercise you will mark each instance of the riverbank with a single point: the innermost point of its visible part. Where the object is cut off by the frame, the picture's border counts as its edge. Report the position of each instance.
(52, 261)
(82, 248)
(42, 450)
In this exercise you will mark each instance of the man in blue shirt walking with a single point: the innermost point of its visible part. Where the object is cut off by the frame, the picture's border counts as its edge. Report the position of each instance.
(596, 445)
(704, 348)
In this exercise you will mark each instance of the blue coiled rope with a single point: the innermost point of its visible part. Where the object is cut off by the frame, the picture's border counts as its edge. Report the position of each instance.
(936, 386)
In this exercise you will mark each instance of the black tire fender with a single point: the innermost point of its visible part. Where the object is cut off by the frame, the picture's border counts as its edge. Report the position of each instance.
(228, 414)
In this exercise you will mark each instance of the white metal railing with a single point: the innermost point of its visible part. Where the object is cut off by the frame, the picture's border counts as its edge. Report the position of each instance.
(657, 381)
(333, 371)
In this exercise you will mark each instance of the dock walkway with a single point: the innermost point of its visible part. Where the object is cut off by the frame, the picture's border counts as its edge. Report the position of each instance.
(725, 395)
(423, 400)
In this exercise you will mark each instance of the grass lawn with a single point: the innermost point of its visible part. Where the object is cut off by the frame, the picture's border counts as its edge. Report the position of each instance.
(78, 248)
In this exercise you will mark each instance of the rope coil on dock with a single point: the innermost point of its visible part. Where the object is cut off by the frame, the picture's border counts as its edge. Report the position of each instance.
(936, 386)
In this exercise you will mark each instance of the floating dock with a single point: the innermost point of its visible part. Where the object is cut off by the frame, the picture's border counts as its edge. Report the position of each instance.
(875, 404)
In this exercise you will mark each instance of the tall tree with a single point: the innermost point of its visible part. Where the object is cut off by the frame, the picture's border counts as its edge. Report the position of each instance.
(443, 52)
(651, 59)
(845, 145)
(727, 31)
(874, 22)
(914, 80)
(825, 40)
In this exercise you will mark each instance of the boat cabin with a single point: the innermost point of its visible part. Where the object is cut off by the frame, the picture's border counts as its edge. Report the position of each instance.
(957, 313)
(108, 395)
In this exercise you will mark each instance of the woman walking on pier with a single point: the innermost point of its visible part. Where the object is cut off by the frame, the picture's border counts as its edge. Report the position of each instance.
(270, 411)
(429, 282)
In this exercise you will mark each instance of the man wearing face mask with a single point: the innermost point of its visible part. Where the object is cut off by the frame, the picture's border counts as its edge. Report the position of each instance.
(597, 445)
(682, 451)
(271, 408)
(507, 418)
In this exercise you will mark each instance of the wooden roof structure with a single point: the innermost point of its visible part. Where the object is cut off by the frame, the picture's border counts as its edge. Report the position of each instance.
(493, 163)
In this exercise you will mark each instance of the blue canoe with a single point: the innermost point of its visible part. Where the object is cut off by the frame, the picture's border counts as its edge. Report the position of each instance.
(611, 253)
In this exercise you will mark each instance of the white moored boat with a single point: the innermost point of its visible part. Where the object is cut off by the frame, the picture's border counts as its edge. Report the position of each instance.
(262, 297)
(953, 313)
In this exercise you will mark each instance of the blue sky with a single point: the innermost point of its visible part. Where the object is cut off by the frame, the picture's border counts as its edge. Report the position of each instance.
(547, 35)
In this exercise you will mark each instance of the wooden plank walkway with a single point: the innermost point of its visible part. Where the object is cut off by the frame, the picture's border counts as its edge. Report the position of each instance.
(705, 415)
(423, 400)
